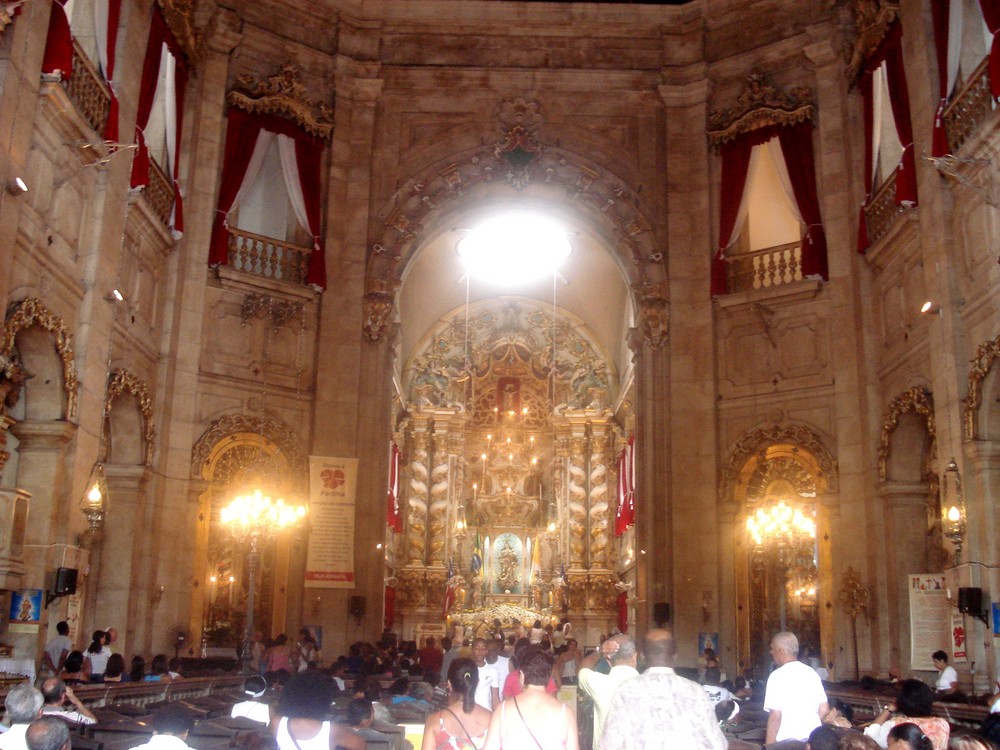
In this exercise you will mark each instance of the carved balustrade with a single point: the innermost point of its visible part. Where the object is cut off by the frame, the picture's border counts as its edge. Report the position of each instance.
(762, 269)
(968, 108)
(267, 257)
(88, 91)
(159, 193)
(882, 211)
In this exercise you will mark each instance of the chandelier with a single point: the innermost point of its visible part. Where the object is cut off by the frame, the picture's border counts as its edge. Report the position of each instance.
(781, 525)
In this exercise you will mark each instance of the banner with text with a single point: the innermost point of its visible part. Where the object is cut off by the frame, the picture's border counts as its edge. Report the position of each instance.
(930, 619)
(332, 493)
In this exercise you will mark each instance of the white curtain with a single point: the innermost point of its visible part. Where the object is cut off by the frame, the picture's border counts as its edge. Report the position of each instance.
(101, 13)
(264, 139)
(777, 155)
(168, 74)
(741, 215)
(290, 169)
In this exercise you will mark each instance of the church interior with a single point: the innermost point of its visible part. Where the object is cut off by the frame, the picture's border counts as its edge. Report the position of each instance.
(626, 313)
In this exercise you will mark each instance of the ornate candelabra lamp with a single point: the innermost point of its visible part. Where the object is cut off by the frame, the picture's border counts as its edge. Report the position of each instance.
(252, 518)
(94, 503)
(954, 513)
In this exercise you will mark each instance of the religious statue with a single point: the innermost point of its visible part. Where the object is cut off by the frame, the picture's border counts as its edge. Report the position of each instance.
(507, 580)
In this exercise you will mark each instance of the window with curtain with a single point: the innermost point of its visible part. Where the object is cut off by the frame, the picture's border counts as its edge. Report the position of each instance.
(265, 207)
(886, 146)
(772, 218)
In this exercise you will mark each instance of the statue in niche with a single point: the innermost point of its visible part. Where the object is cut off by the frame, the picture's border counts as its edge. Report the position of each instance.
(507, 579)
(509, 395)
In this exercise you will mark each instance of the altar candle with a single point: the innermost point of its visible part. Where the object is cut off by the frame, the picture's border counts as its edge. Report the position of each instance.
(214, 580)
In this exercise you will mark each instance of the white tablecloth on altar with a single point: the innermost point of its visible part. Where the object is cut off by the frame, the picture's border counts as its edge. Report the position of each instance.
(19, 666)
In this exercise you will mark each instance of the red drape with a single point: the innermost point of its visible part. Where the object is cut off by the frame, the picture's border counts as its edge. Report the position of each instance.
(180, 83)
(114, 16)
(868, 102)
(59, 43)
(393, 517)
(625, 515)
(309, 156)
(390, 607)
(796, 147)
(623, 611)
(939, 19)
(241, 137)
(735, 157)
(991, 14)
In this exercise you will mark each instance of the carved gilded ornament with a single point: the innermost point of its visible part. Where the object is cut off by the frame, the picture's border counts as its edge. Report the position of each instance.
(283, 95)
(760, 105)
(279, 311)
(917, 399)
(29, 312)
(7, 11)
(123, 381)
(227, 429)
(654, 320)
(179, 15)
(982, 363)
(872, 20)
(378, 301)
(755, 443)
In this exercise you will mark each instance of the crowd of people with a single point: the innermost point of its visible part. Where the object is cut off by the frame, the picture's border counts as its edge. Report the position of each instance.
(500, 692)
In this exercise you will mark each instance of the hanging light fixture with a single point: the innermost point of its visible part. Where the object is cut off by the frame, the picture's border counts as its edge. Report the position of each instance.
(94, 502)
(953, 507)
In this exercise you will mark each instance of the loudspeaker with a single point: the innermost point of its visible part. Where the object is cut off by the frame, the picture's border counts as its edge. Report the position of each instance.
(65, 582)
(970, 601)
(661, 612)
(356, 606)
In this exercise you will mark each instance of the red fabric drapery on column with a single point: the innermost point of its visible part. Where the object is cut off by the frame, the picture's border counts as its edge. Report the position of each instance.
(991, 14)
(623, 611)
(393, 517)
(114, 16)
(868, 103)
(735, 157)
(241, 137)
(625, 516)
(390, 607)
(309, 156)
(59, 43)
(939, 19)
(180, 81)
(796, 148)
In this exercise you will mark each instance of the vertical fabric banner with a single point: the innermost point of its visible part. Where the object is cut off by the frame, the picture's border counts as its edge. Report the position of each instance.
(930, 619)
(332, 493)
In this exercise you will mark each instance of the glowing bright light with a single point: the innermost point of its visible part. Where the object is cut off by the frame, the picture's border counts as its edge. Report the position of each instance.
(94, 496)
(954, 514)
(514, 249)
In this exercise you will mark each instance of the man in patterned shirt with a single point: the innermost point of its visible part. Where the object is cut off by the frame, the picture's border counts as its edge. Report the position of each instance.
(660, 710)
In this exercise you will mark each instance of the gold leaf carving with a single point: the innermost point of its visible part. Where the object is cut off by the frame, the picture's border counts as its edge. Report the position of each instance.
(29, 312)
(872, 20)
(179, 15)
(283, 95)
(122, 381)
(759, 105)
(917, 399)
(225, 427)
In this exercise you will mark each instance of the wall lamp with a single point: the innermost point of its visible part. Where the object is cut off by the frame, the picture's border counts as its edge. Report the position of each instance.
(16, 187)
(930, 308)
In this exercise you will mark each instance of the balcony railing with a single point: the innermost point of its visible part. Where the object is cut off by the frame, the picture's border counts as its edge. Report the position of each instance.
(882, 211)
(968, 108)
(88, 91)
(763, 269)
(267, 257)
(159, 193)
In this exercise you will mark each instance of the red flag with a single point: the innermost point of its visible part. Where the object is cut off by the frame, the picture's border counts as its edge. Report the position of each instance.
(393, 516)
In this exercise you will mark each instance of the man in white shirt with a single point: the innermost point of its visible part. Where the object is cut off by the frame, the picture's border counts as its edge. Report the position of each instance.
(171, 726)
(794, 699)
(57, 649)
(488, 689)
(620, 652)
(496, 659)
(254, 686)
(57, 694)
(23, 705)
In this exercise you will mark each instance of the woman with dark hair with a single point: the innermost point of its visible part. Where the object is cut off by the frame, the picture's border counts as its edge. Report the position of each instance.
(301, 720)
(73, 672)
(915, 705)
(533, 718)
(159, 670)
(115, 671)
(97, 656)
(279, 659)
(536, 633)
(137, 672)
(463, 723)
(908, 736)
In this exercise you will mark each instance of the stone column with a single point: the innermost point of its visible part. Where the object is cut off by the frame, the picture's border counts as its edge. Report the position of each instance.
(418, 493)
(440, 494)
(577, 498)
(600, 459)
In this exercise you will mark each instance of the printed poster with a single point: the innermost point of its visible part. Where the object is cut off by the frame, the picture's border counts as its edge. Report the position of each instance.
(25, 611)
(958, 647)
(332, 495)
(930, 619)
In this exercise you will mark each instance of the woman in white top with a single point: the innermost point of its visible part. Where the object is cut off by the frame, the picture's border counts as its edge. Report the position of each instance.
(301, 720)
(96, 658)
(947, 681)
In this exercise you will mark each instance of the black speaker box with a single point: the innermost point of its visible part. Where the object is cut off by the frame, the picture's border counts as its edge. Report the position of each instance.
(65, 582)
(970, 601)
(356, 606)
(661, 612)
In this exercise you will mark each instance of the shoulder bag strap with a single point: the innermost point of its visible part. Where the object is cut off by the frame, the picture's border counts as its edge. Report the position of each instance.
(469, 736)
(530, 733)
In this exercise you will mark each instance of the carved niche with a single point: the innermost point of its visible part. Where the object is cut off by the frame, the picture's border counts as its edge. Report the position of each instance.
(982, 363)
(917, 399)
(123, 381)
(759, 105)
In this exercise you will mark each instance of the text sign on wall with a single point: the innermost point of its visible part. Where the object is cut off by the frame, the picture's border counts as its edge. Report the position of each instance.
(930, 619)
(332, 494)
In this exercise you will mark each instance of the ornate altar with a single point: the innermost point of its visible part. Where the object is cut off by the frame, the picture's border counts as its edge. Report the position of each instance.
(507, 481)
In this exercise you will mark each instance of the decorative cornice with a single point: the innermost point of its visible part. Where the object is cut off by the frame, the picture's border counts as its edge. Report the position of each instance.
(756, 441)
(179, 15)
(917, 399)
(759, 105)
(122, 381)
(982, 363)
(29, 312)
(227, 427)
(282, 95)
(872, 20)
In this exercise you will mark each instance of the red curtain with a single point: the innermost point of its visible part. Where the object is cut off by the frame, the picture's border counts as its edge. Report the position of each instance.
(991, 14)
(735, 157)
(114, 16)
(180, 82)
(796, 148)
(939, 19)
(241, 137)
(625, 515)
(623, 611)
(390, 607)
(393, 517)
(59, 43)
(309, 157)
(868, 102)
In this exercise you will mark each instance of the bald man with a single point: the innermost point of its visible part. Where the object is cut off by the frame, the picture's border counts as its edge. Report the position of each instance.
(795, 699)
(659, 709)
